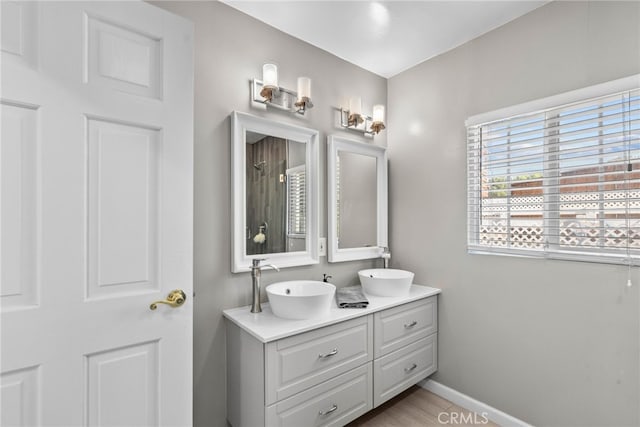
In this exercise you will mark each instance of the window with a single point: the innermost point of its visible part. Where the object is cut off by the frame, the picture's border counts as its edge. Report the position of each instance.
(563, 182)
(296, 202)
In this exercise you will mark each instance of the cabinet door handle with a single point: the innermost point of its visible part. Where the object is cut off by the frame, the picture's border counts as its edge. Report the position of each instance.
(333, 408)
(410, 325)
(410, 368)
(331, 353)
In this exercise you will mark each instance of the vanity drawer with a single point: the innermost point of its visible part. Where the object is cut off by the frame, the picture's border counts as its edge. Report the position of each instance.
(401, 369)
(332, 403)
(302, 361)
(399, 326)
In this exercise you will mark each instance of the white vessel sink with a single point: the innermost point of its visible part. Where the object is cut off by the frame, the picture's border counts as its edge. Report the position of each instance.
(300, 299)
(386, 282)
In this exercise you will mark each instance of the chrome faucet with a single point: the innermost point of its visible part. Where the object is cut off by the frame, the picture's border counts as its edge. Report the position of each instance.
(256, 273)
(386, 256)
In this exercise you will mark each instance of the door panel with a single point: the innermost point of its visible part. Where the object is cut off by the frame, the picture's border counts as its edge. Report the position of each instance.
(19, 31)
(19, 253)
(122, 386)
(123, 208)
(96, 203)
(20, 403)
(122, 59)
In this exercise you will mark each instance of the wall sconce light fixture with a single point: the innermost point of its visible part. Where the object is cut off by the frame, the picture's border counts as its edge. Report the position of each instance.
(267, 92)
(269, 81)
(353, 118)
(378, 118)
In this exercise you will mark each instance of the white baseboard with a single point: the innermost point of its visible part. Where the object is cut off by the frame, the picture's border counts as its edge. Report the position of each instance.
(468, 402)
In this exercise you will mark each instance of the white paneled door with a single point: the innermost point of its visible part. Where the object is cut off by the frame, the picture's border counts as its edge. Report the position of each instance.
(96, 169)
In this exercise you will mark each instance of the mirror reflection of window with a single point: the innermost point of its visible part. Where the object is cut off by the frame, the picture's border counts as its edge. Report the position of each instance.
(356, 200)
(269, 201)
(296, 208)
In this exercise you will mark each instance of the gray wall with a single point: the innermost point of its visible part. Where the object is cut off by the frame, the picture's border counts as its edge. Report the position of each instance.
(550, 342)
(230, 49)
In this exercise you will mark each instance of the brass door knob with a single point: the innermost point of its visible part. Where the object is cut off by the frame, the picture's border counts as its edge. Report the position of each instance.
(175, 299)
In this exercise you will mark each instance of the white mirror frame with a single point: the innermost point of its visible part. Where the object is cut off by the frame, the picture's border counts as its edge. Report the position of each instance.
(336, 144)
(240, 124)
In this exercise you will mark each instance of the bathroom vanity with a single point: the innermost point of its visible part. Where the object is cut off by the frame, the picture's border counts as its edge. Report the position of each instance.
(328, 370)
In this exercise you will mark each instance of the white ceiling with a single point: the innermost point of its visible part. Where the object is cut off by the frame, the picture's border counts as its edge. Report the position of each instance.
(385, 37)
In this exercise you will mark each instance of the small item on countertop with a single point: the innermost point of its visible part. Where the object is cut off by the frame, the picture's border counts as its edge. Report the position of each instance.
(351, 297)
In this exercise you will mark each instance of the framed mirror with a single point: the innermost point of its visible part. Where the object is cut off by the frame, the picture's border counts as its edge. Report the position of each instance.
(275, 192)
(357, 199)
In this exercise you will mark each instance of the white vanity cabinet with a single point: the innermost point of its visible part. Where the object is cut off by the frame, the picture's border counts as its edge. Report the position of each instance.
(327, 371)
(405, 347)
(299, 362)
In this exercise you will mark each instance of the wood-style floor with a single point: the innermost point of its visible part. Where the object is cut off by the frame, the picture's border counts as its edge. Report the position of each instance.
(419, 407)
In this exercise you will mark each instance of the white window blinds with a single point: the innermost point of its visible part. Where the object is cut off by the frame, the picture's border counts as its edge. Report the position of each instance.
(562, 182)
(296, 202)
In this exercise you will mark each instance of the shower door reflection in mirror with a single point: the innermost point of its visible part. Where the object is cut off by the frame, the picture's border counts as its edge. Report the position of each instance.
(275, 192)
(275, 200)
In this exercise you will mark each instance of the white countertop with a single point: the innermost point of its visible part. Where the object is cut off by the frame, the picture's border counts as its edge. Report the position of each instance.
(267, 327)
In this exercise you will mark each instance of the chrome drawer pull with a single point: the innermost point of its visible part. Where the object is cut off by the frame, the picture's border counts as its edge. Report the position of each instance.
(331, 353)
(410, 325)
(410, 368)
(334, 407)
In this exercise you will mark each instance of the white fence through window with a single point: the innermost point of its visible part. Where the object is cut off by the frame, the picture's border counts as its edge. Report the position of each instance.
(562, 181)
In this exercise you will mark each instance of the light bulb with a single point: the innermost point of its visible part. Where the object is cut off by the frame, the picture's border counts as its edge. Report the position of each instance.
(378, 113)
(270, 75)
(304, 88)
(355, 106)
